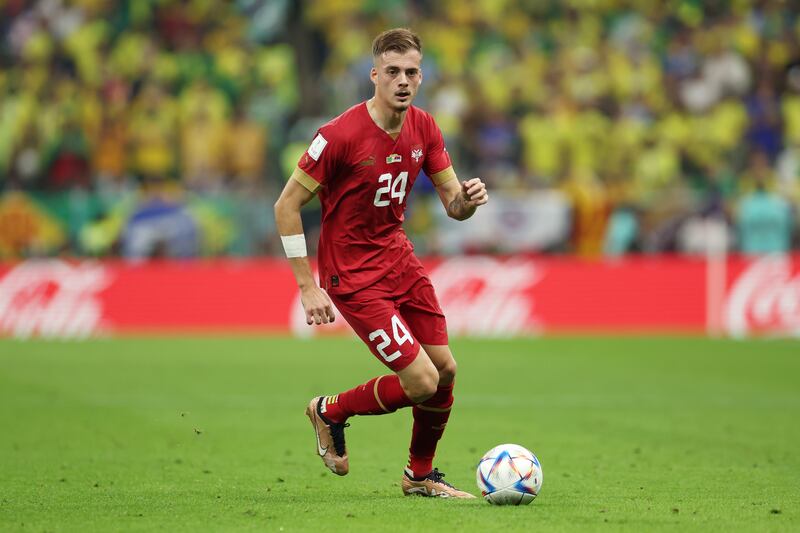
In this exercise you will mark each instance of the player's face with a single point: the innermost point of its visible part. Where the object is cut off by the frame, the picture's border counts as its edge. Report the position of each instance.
(397, 77)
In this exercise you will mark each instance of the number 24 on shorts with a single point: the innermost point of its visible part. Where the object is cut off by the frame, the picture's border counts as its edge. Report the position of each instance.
(401, 335)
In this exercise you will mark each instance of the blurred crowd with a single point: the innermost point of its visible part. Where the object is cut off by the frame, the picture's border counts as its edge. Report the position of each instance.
(150, 128)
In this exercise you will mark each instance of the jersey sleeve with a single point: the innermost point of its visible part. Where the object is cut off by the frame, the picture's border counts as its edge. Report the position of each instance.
(319, 163)
(437, 163)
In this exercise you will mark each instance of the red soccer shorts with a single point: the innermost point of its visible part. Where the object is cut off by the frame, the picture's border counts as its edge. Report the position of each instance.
(395, 315)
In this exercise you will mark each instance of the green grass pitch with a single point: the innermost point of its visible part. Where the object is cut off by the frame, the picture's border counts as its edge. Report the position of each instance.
(208, 434)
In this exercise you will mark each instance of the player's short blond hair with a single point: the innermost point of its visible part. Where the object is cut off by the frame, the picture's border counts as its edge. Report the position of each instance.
(399, 40)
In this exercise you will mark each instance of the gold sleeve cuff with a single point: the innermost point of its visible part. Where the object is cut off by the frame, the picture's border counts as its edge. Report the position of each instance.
(443, 176)
(305, 180)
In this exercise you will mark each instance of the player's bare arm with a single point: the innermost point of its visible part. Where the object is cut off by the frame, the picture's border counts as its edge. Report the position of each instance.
(316, 303)
(461, 199)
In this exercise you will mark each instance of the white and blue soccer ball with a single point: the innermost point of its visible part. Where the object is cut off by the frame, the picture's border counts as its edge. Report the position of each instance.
(509, 475)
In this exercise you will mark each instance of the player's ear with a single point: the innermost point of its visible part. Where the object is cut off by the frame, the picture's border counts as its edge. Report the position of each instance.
(373, 75)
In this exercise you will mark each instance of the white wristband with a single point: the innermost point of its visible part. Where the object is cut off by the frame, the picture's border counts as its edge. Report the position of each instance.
(294, 245)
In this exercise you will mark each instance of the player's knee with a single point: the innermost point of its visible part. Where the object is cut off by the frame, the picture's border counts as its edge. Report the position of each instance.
(421, 392)
(423, 387)
(447, 373)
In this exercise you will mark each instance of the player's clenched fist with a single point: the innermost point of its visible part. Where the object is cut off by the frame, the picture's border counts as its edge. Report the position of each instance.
(317, 305)
(474, 192)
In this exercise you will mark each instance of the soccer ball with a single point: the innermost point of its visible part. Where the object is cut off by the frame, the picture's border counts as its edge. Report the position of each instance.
(509, 475)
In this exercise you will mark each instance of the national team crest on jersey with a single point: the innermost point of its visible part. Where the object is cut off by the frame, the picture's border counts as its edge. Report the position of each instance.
(416, 154)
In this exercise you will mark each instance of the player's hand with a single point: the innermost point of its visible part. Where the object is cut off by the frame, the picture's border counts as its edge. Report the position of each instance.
(474, 192)
(317, 305)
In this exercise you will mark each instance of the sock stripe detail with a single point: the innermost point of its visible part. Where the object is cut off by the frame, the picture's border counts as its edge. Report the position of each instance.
(377, 397)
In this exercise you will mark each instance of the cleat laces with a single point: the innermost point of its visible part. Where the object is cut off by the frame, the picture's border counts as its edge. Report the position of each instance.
(337, 430)
(337, 434)
(438, 477)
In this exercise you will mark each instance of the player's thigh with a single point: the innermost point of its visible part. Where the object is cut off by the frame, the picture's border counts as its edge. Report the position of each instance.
(382, 328)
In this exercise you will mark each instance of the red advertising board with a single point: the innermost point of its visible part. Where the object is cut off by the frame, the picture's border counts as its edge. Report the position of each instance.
(481, 295)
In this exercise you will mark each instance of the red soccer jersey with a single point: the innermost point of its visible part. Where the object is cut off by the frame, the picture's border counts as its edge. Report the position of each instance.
(363, 176)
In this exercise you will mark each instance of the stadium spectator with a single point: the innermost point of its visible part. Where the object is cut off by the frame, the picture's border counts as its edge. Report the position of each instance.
(658, 98)
(763, 218)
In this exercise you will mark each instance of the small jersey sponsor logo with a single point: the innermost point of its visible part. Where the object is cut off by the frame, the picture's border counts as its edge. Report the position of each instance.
(367, 162)
(416, 154)
(317, 146)
(394, 158)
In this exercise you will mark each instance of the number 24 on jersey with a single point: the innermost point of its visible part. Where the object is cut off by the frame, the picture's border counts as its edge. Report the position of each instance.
(393, 188)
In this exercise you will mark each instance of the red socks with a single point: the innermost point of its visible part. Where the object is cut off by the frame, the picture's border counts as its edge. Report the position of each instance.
(377, 396)
(384, 394)
(430, 419)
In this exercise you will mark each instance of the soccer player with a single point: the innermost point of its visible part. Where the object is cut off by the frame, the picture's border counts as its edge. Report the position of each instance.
(362, 164)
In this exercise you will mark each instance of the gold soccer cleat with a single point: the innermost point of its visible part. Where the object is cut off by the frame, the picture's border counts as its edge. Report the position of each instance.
(432, 486)
(330, 439)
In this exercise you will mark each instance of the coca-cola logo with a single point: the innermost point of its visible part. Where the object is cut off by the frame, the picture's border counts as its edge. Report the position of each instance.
(52, 299)
(486, 296)
(765, 298)
(481, 295)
